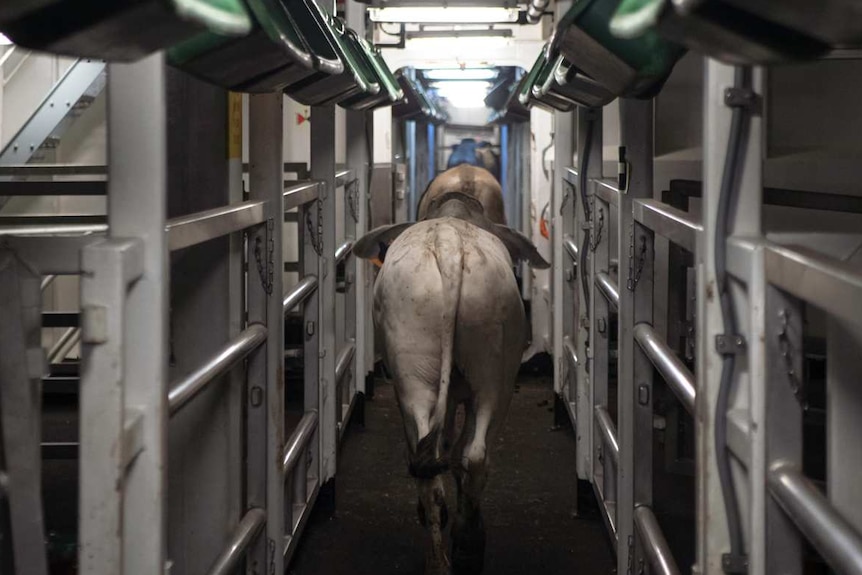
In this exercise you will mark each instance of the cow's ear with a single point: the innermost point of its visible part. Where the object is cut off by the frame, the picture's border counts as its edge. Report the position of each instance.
(368, 246)
(520, 248)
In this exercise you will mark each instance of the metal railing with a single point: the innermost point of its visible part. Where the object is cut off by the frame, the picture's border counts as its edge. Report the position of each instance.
(247, 531)
(678, 377)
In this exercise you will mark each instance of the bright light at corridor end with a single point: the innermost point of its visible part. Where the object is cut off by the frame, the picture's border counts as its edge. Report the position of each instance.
(444, 15)
(461, 74)
(463, 94)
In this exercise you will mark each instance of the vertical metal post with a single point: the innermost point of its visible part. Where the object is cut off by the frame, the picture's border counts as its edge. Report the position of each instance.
(783, 421)
(123, 302)
(360, 139)
(21, 370)
(583, 334)
(636, 130)
(712, 538)
(265, 395)
(323, 170)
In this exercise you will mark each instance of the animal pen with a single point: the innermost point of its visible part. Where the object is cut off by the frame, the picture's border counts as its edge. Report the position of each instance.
(701, 315)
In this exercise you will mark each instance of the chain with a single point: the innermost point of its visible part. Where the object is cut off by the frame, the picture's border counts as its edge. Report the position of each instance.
(353, 199)
(635, 272)
(271, 545)
(567, 194)
(265, 265)
(315, 232)
(796, 384)
(631, 552)
(597, 239)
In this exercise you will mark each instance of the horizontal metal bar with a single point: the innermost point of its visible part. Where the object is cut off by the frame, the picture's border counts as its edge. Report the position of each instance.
(300, 193)
(56, 229)
(30, 220)
(246, 531)
(343, 177)
(61, 319)
(609, 433)
(834, 538)
(343, 362)
(299, 293)
(608, 191)
(187, 388)
(53, 188)
(654, 543)
(343, 251)
(608, 287)
(674, 224)
(571, 353)
(832, 285)
(571, 248)
(571, 175)
(199, 227)
(672, 369)
(60, 450)
(46, 281)
(298, 168)
(48, 170)
(298, 442)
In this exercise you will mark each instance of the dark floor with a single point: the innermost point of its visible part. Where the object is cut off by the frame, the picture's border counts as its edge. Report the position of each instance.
(529, 507)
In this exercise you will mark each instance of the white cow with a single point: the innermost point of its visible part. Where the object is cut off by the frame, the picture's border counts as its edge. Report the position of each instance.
(451, 324)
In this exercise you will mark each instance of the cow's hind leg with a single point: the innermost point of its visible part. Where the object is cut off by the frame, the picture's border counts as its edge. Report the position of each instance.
(471, 474)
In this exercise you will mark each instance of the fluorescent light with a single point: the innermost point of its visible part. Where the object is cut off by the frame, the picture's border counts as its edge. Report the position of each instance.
(4, 41)
(461, 74)
(459, 48)
(441, 15)
(463, 94)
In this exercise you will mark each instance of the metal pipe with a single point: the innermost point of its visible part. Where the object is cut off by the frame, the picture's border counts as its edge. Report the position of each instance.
(247, 531)
(535, 10)
(183, 391)
(52, 229)
(571, 353)
(64, 345)
(571, 248)
(609, 433)
(608, 287)
(299, 293)
(46, 281)
(835, 539)
(298, 441)
(674, 371)
(343, 251)
(343, 361)
(654, 543)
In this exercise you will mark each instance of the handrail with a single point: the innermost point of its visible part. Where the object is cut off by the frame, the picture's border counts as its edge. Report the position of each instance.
(247, 531)
(64, 345)
(570, 174)
(834, 537)
(609, 433)
(669, 222)
(608, 287)
(343, 177)
(53, 229)
(608, 191)
(300, 193)
(343, 251)
(571, 352)
(299, 293)
(187, 388)
(654, 543)
(830, 284)
(674, 371)
(193, 229)
(298, 441)
(571, 247)
(343, 361)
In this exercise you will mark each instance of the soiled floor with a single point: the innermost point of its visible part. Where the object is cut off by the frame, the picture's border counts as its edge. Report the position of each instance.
(529, 506)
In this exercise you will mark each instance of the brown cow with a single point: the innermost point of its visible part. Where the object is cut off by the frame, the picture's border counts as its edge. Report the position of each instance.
(470, 180)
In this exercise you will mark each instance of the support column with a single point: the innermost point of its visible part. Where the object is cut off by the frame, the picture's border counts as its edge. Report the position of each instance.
(636, 131)
(563, 306)
(265, 394)
(323, 170)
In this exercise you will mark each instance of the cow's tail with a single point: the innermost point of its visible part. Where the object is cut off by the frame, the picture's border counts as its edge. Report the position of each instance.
(428, 461)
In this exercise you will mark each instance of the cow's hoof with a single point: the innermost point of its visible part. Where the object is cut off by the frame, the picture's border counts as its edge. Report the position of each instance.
(468, 546)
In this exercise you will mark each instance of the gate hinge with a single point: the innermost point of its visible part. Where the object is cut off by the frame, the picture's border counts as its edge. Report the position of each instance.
(737, 564)
(743, 98)
(730, 344)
